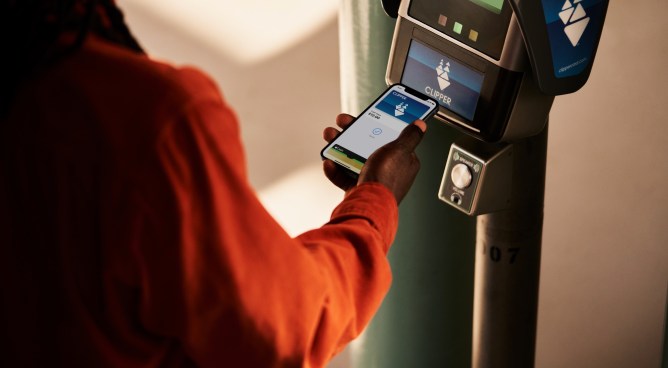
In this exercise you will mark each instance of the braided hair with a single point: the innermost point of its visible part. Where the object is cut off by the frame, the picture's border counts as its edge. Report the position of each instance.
(30, 33)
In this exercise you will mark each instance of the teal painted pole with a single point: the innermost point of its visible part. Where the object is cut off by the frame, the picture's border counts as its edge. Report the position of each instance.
(426, 319)
(365, 35)
(508, 265)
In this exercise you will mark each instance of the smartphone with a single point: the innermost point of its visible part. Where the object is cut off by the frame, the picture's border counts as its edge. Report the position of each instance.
(377, 125)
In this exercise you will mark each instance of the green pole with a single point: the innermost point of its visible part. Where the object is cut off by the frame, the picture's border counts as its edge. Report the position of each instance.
(426, 319)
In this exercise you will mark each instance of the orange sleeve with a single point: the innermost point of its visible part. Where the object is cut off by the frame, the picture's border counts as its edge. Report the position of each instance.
(220, 276)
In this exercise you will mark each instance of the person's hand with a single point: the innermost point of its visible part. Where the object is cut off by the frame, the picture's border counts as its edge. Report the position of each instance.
(335, 173)
(394, 165)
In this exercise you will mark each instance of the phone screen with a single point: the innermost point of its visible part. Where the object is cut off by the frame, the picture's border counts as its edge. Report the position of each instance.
(379, 124)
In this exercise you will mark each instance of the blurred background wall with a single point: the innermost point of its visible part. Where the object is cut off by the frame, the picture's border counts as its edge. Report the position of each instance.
(605, 253)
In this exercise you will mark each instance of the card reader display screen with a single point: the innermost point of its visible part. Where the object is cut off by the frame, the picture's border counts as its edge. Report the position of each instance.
(481, 24)
(454, 85)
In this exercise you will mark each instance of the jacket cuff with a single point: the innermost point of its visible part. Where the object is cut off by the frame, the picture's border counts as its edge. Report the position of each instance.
(375, 203)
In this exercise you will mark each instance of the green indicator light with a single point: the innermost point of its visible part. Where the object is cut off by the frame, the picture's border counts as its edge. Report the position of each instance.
(492, 5)
(457, 28)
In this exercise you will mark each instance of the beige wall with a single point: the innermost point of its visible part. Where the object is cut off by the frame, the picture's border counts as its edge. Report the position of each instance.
(605, 254)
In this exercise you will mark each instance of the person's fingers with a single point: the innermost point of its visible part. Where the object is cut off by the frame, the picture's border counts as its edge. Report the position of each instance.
(411, 136)
(336, 175)
(343, 120)
(421, 124)
(329, 134)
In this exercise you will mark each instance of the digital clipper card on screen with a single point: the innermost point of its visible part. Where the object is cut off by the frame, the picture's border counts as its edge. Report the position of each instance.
(379, 124)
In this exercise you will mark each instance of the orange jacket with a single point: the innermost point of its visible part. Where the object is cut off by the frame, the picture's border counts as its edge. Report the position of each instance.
(132, 238)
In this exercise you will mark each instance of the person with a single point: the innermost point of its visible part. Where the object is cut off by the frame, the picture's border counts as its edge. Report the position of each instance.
(130, 235)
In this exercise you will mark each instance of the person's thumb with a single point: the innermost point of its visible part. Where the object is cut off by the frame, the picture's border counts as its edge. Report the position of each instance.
(411, 136)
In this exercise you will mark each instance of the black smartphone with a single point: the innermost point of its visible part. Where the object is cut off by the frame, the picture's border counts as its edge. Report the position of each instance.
(377, 125)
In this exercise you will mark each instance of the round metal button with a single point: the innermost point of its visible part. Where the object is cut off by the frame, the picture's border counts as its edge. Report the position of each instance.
(461, 176)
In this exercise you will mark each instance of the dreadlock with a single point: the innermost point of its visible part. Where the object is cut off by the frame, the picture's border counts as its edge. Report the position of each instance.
(31, 34)
(118, 31)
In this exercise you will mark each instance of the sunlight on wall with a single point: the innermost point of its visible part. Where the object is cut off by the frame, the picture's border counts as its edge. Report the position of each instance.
(247, 31)
(302, 200)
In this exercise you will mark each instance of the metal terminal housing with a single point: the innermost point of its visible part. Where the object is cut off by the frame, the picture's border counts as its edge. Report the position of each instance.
(511, 106)
(489, 187)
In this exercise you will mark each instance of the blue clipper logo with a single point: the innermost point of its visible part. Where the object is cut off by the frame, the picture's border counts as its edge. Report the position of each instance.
(443, 77)
(400, 109)
(573, 27)
(575, 19)
(452, 84)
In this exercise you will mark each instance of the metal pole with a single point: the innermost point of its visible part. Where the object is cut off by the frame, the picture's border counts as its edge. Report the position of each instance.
(507, 266)
(425, 321)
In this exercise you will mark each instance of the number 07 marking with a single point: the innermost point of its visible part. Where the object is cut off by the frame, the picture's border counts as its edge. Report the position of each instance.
(496, 254)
